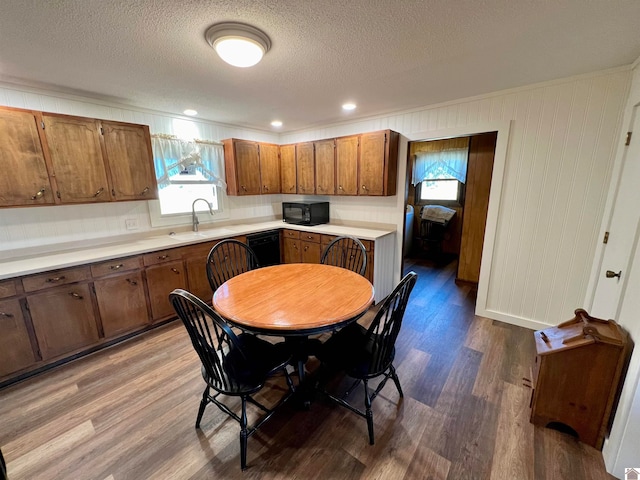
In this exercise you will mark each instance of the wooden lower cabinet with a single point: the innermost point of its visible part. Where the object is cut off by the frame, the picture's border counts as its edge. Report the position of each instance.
(122, 303)
(198, 280)
(63, 319)
(16, 352)
(161, 281)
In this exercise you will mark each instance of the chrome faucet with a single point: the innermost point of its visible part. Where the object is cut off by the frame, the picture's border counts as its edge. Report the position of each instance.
(194, 217)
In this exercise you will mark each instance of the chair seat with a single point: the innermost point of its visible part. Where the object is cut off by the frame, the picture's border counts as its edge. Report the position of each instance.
(249, 370)
(352, 350)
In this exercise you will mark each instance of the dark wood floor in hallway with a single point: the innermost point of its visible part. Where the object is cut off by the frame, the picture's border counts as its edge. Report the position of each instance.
(128, 412)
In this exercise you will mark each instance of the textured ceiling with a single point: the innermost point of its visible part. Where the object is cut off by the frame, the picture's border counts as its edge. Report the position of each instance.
(384, 55)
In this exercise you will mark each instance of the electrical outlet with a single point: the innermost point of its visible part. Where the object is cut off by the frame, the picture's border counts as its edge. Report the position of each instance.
(131, 224)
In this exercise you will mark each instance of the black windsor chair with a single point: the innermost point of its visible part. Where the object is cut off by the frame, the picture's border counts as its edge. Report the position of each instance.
(366, 353)
(346, 252)
(232, 365)
(227, 259)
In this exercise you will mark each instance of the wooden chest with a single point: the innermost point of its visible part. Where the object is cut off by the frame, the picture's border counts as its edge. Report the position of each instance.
(579, 366)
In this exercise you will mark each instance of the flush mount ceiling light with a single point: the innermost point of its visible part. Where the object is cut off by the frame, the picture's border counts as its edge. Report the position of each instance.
(276, 123)
(190, 112)
(349, 106)
(238, 44)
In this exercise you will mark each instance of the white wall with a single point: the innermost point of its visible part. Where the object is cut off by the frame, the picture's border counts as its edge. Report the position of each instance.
(560, 153)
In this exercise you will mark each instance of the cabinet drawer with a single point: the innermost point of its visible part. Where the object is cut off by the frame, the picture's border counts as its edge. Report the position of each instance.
(326, 239)
(7, 288)
(310, 237)
(114, 266)
(368, 244)
(162, 256)
(55, 278)
(291, 234)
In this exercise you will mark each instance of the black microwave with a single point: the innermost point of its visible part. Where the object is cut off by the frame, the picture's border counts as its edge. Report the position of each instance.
(305, 213)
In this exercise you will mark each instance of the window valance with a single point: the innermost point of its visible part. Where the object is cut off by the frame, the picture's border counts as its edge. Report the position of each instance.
(441, 160)
(173, 157)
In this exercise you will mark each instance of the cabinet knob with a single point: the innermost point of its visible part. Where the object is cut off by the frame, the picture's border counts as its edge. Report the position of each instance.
(163, 257)
(243, 188)
(76, 295)
(145, 191)
(55, 279)
(8, 315)
(364, 187)
(340, 187)
(132, 282)
(116, 267)
(38, 195)
(100, 190)
(175, 270)
(265, 188)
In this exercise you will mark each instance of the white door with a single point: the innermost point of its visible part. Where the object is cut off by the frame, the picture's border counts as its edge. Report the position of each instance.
(618, 298)
(623, 232)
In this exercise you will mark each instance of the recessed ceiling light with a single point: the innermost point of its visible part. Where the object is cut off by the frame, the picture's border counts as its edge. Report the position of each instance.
(238, 44)
(349, 106)
(190, 112)
(276, 123)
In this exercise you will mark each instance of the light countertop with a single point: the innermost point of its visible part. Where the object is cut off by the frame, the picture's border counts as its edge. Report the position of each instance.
(87, 252)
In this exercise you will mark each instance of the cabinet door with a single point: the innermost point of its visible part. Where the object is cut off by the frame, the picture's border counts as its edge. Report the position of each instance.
(161, 281)
(130, 161)
(197, 277)
(76, 155)
(288, 168)
(347, 165)
(247, 161)
(371, 164)
(292, 252)
(16, 352)
(122, 303)
(63, 319)
(24, 179)
(305, 168)
(311, 252)
(269, 168)
(325, 167)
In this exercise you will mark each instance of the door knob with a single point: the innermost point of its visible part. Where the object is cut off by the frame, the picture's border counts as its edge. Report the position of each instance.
(611, 274)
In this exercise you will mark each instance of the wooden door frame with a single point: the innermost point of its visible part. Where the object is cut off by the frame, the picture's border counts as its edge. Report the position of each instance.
(503, 129)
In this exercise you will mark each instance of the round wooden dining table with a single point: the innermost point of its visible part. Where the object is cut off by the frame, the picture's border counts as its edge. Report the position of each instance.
(293, 299)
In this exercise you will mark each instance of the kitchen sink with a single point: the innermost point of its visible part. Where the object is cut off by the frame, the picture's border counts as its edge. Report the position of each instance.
(207, 233)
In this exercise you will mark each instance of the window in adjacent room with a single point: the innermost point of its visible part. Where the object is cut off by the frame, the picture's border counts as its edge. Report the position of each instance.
(440, 170)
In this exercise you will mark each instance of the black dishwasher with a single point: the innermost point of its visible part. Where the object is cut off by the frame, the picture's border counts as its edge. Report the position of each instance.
(266, 246)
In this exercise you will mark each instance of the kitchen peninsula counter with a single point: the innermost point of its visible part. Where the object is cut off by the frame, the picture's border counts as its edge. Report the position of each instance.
(37, 260)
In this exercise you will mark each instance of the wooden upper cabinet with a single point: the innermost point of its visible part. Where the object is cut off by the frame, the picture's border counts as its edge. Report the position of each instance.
(288, 169)
(378, 163)
(242, 167)
(364, 164)
(347, 165)
(50, 158)
(305, 167)
(130, 161)
(76, 155)
(269, 167)
(325, 167)
(24, 179)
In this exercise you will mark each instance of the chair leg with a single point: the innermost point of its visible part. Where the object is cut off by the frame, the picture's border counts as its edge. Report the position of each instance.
(203, 404)
(396, 380)
(243, 435)
(368, 411)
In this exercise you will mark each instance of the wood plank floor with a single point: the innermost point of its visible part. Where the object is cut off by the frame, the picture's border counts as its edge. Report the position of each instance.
(128, 412)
